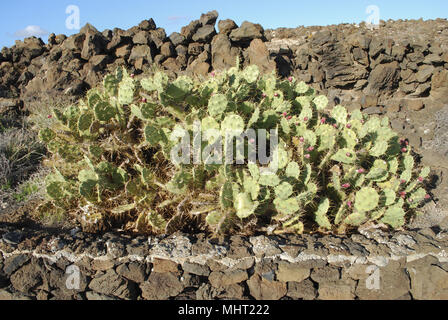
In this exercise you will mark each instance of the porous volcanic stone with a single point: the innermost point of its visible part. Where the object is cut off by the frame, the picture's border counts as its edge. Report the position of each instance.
(222, 279)
(289, 272)
(226, 26)
(161, 286)
(112, 284)
(204, 34)
(247, 32)
(209, 18)
(263, 289)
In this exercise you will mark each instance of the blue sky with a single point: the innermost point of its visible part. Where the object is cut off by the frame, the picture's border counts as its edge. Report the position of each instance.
(23, 17)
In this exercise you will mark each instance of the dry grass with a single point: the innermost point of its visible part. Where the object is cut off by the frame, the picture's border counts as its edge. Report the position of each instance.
(21, 153)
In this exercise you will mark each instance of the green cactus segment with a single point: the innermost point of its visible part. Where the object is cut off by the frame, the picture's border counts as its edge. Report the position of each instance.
(146, 111)
(47, 135)
(425, 172)
(286, 128)
(215, 217)
(233, 124)
(88, 175)
(378, 172)
(126, 91)
(89, 191)
(284, 191)
(160, 81)
(92, 99)
(327, 136)
(154, 135)
(293, 170)
(386, 134)
(148, 85)
(226, 195)
(295, 226)
(251, 187)
(385, 122)
(302, 102)
(357, 115)
(408, 163)
(376, 215)
(280, 159)
(96, 151)
(70, 153)
(371, 126)
(310, 137)
(416, 198)
(85, 121)
(281, 106)
(269, 180)
(345, 155)
(55, 190)
(60, 116)
(210, 130)
(134, 189)
(71, 115)
(56, 186)
(179, 183)
(388, 197)
(411, 186)
(349, 139)
(110, 83)
(307, 112)
(356, 219)
(286, 207)
(156, 221)
(217, 105)
(379, 148)
(254, 118)
(366, 199)
(395, 217)
(251, 74)
(104, 111)
(321, 214)
(336, 178)
(180, 88)
(301, 88)
(306, 174)
(147, 176)
(244, 206)
(406, 175)
(393, 166)
(342, 212)
(321, 102)
(339, 113)
(210, 123)
(124, 208)
(254, 171)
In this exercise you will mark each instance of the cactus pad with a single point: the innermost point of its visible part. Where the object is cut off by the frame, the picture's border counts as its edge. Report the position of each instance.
(367, 199)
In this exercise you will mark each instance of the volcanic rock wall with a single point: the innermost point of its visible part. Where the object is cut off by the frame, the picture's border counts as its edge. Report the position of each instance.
(402, 64)
(72, 65)
(371, 265)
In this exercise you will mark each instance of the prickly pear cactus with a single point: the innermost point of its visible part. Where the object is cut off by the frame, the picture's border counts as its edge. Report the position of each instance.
(116, 157)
